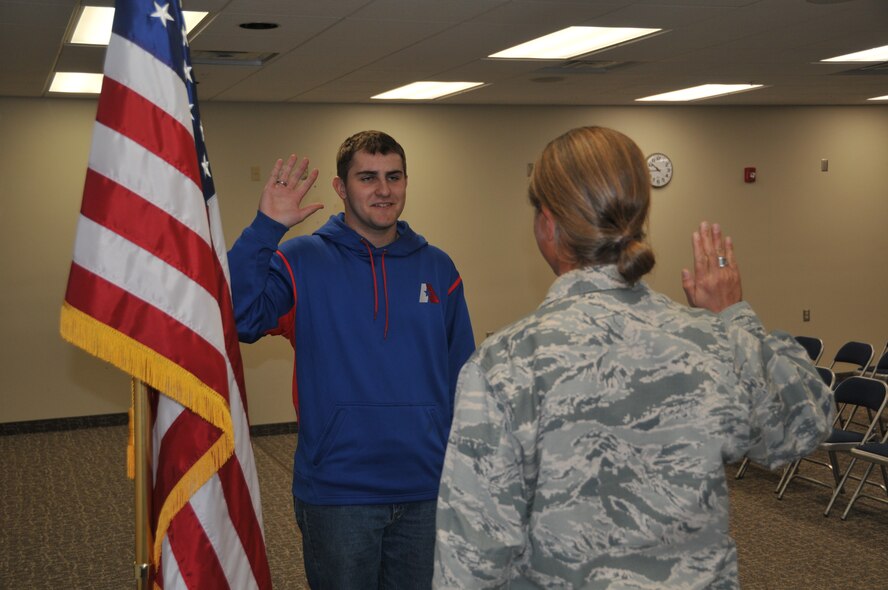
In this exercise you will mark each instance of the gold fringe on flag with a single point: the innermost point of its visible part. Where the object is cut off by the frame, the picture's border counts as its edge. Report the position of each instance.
(142, 362)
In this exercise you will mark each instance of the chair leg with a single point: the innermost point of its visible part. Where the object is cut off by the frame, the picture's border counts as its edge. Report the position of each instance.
(743, 467)
(834, 466)
(839, 487)
(884, 477)
(787, 477)
(863, 479)
(782, 477)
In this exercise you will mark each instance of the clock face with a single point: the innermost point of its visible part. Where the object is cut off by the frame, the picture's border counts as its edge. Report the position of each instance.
(660, 167)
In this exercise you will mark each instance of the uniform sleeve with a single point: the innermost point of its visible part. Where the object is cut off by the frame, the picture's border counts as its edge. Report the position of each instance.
(482, 502)
(260, 286)
(791, 409)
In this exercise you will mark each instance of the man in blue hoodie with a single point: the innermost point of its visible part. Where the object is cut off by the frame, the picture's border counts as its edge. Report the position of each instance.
(378, 320)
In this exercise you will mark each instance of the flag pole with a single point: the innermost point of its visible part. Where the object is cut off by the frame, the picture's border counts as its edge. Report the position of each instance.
(142, 455)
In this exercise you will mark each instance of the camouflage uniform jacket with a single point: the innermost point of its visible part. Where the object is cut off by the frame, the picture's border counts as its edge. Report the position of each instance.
(589, 439)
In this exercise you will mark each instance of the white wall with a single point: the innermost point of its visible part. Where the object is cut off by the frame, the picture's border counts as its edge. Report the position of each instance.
(805, 239)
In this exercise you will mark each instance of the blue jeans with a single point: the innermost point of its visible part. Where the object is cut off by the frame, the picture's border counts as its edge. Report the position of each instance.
(384, 546)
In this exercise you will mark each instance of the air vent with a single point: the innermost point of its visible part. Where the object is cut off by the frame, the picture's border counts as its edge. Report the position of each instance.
(582, 66)
(231, 58)
(880, 69)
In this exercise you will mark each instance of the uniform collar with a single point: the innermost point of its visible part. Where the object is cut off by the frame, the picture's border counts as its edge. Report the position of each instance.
(589, 279)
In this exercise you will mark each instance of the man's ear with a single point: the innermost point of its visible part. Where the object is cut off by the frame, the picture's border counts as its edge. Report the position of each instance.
(339, 187)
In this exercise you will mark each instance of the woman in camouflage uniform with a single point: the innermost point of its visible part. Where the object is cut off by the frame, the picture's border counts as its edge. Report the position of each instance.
(589, 438)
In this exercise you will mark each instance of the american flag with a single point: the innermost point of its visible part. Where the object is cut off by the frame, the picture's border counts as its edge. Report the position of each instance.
(148, 291)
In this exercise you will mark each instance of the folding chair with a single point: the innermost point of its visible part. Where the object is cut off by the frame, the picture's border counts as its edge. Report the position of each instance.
(876, 453)
(829, 378)
(851, 395)
(813, 346)
(827, 375)
(880, 369)
(857, 354)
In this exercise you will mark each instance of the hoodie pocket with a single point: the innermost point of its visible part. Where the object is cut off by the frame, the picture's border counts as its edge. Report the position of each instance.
(380, 450)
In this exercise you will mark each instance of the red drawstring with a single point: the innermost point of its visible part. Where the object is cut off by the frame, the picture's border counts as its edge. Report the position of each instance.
(386, 291)
(376, 288)
(373, 272)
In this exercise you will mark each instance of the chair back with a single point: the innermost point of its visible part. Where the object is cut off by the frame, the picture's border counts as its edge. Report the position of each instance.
(861, 392)
(813, 346)
(880, 369)
(827, 375)
(859, 354)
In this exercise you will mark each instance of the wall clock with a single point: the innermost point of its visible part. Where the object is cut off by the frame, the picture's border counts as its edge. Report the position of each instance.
(660, 167)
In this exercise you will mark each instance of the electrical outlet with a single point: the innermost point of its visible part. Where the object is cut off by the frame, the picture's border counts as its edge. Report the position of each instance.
(254, 172)
(806, 315)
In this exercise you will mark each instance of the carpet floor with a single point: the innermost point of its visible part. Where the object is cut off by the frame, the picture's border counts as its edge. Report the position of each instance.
(67, 520)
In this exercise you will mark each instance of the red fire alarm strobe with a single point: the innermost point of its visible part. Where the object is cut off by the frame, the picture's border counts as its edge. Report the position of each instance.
(749, 175)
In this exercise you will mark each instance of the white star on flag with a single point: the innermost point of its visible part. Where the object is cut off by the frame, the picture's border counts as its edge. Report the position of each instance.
(206, 166)
(163, 13)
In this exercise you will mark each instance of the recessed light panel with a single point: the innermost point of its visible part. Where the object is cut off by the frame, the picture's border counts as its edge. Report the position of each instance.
(572, 41)
(76, 83)
(875, 54)
(94, 25)
(426, 90)
(699, 92)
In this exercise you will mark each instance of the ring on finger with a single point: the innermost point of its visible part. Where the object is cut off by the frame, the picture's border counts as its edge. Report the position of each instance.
(281, 182)
(722, 262)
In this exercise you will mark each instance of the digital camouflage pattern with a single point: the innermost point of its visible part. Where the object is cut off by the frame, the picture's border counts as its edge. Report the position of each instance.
(588, 440)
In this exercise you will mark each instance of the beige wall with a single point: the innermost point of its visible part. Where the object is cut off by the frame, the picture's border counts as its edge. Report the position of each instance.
(805, 238)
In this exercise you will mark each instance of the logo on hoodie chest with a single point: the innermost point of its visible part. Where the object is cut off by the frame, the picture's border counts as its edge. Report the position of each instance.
(427, 294)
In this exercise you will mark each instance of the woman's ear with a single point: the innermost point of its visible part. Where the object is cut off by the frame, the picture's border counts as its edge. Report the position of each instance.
(548, 224)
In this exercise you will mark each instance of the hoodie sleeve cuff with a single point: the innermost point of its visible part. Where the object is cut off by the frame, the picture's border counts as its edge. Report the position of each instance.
(267, 230)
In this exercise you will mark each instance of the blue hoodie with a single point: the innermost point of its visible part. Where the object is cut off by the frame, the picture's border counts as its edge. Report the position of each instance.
(380, 337)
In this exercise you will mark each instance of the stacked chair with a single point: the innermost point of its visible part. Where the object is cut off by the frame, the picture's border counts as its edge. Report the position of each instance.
(854, 396)
(873, 451)
(813, 346)
(860, 430)
(880, 369)
(855, 357)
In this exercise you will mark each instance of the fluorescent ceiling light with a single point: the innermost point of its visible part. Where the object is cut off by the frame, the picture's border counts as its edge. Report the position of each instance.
(426, 90)
(875, 54)
(698, 92)
(571, 42)
(94, 25)
(879, 97)
(76, 82)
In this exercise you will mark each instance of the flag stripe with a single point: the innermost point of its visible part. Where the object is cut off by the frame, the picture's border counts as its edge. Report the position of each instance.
(182, 445)
(112, 206)
(131, 115)
(117, 308)
(243, 513)
(130, 165)
(190, 545)
(210, 507)
(132, 66)
(244, 452)
(115, 259)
